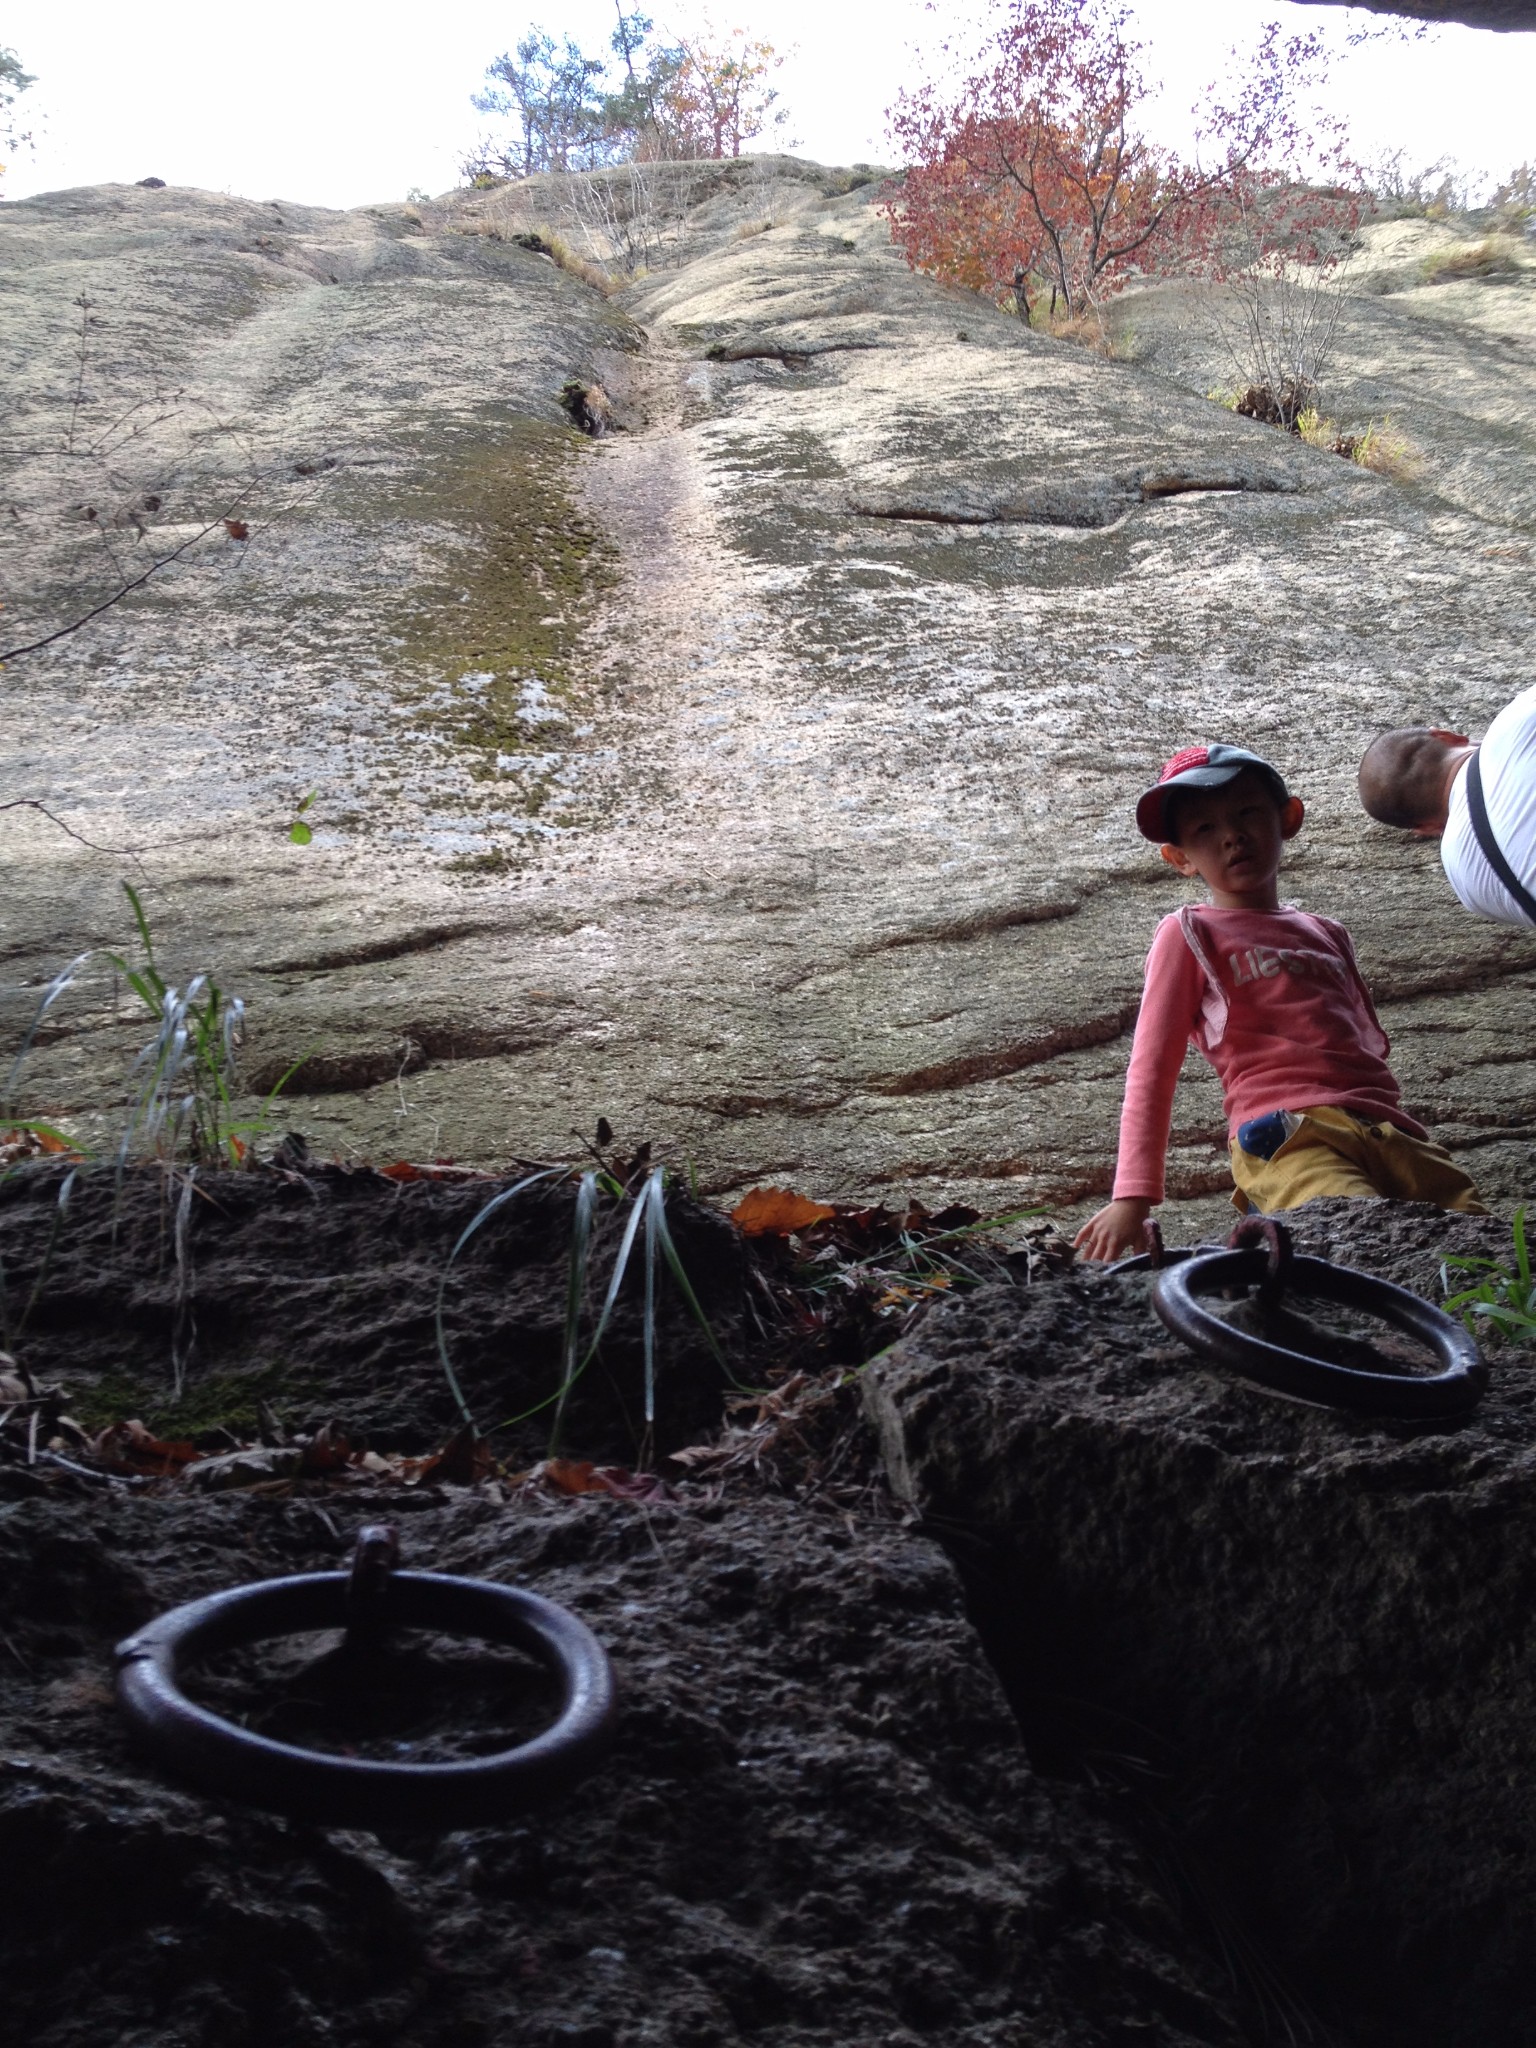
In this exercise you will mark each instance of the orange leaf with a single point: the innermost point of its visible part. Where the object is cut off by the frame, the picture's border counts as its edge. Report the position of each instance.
(401, 1170)
(572, 1475)
(775, 1212)
(237, 529)
(130, 1447)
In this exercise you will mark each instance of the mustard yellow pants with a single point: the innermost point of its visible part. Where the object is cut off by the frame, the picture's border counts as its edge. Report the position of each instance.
(1334, 1153)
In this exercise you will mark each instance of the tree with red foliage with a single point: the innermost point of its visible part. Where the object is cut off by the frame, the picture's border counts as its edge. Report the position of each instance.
(1034, 168)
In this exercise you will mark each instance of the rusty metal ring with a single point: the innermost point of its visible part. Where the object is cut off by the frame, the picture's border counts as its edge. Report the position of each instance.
(1269, 1235)
(340, 1791)
(1454, 1390)
(1158, 1257)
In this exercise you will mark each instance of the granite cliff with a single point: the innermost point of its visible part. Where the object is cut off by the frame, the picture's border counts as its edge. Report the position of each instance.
(756, 774)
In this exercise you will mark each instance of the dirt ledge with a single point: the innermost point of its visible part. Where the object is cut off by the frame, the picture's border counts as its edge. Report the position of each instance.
(1309, 1632)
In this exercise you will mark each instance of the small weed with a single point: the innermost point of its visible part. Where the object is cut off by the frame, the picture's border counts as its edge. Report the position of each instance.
(184, 1105)
(648, 1210)
(544, 242)
(300, 832)
(1504, 1300)
(1091, 330)
(1385, 452)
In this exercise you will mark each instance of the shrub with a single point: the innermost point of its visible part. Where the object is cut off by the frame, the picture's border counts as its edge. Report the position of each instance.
(1034, 165)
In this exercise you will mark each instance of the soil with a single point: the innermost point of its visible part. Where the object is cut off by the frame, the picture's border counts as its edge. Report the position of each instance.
(1145, 1709)
(1298, 1637)
(313, 1296)
(818, 1822)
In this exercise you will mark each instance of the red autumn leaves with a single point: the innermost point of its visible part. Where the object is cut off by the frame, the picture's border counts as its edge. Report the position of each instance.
(1035, 172)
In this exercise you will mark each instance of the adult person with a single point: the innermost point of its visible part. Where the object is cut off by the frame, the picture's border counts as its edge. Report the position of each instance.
(1478, 800)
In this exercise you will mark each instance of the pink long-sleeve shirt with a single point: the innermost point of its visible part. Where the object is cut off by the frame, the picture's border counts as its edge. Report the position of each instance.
(1275, 1001)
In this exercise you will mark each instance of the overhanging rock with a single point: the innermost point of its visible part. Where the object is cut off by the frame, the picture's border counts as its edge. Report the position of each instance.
(1316, 1628)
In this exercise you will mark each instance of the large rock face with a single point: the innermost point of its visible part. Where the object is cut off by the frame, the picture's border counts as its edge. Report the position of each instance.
(1300, 1637)
(760, 775)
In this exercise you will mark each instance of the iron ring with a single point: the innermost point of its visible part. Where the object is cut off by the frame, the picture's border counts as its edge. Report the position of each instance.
(1454, 1390)
(338, 1791)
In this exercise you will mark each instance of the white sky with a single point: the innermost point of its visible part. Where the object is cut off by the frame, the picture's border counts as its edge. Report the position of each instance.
(337, 103)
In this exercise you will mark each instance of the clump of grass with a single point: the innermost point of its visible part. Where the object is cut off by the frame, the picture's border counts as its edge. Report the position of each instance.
(1091, 330)
(647, 1199)
(1386, 452)
(1504, 1300)
(545, 242)
(183, 1107)
(1494, 256)
(749, 228)
(1380, 448)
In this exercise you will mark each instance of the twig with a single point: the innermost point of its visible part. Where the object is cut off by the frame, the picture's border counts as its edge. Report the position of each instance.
(32, 803)
(80, 355)
(63, 633)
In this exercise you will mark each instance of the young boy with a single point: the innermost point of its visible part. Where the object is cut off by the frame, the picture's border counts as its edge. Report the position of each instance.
(1274, 1000)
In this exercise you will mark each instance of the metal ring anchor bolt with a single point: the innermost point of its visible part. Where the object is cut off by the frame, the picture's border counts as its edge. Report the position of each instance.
(1259, 1254)
(340, 1791)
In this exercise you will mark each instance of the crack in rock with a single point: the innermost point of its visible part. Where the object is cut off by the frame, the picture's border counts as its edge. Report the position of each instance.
(398, 946)
(1087, 504)
(338, 1073)
(792, 358)
(967, 1068)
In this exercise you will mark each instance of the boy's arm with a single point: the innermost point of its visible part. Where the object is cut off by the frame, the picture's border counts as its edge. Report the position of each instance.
(1170, 1004)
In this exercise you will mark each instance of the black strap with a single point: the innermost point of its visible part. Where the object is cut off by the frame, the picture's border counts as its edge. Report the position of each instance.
(1485, 839)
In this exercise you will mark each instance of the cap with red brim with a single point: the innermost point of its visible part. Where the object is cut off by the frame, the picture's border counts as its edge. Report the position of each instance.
(1198, 768)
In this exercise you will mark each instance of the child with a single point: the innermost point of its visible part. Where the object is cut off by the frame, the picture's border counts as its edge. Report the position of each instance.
(1274, 1000)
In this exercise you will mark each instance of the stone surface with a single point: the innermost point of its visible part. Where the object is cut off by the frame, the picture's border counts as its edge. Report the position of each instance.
(1301, 1635)
(817, 1827)
(671, 776)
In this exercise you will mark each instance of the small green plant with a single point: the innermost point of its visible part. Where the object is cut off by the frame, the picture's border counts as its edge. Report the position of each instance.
(184, 1102)
(647, 1209)
(1384, 451)
(183, 1107)
(1504, 1300)
(299, 831)
(1379, 448)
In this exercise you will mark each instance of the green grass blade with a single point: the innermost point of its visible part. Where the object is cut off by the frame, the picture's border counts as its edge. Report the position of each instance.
(684, 1285)
(1522, 1256)
(621, 1262)
(575, 1293)
(141, 921)
(482, 1216)
(652, 1201)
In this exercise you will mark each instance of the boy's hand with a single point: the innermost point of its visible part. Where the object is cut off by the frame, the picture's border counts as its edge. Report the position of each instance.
(1116, 1229)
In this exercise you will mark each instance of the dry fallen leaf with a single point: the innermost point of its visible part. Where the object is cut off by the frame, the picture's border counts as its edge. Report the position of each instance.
(775, 1212)
(580, 1475)
(130, 1447)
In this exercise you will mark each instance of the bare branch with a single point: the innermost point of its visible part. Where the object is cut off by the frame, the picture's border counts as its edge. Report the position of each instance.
(32, 803)
(63, 632)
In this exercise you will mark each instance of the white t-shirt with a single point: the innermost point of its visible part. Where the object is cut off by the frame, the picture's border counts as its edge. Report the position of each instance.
(1507, 759)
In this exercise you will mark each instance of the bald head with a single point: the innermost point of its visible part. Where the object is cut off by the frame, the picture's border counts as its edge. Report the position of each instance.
(1406, 776)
